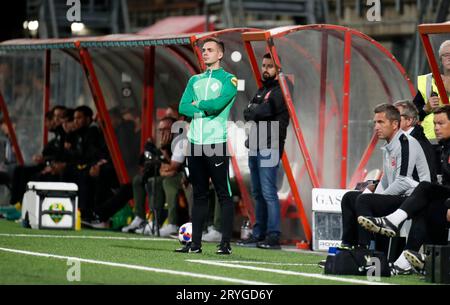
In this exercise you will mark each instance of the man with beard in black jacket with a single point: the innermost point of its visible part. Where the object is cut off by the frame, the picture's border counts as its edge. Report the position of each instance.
(269, 115)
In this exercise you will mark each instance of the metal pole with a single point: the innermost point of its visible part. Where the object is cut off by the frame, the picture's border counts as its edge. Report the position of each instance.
(149, 95)
(346, 106)
(12, 133)
(322, 105)
(285, 161)
(105, 121)
(46, 94)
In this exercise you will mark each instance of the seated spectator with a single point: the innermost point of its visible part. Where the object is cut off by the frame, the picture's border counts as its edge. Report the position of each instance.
(427, 206)
(52, 151)
(401, 155)
(167, 185)
(427, 98)
(8, 159)
(128, 140)
(7, 163)
(172, 111)
(132, 115)
(86, 157)
(409, 124)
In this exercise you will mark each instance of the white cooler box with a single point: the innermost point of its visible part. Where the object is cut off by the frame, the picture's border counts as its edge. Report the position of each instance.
(326, 218)
(50, 205)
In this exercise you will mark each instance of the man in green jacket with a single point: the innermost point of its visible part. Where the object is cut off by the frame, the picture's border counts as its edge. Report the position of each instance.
(207, 99)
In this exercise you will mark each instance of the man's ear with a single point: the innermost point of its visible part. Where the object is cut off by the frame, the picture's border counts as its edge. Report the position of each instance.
(220, 55)
(398, 124)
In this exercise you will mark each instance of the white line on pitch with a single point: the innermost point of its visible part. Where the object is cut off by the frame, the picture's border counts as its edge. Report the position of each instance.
(137, 267)
(86, 237)
(287, 272)
(266, 263)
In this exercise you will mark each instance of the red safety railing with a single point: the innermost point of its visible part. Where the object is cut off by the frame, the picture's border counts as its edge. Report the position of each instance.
(316, 174)
(425, 30)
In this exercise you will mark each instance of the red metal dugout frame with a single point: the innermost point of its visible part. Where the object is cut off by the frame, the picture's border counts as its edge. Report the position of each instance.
(104, 119)
(316, 176)
(86, 63)
(47, 91)
(425, 30)
(247, 37)
(149, 94)
(11, 131)
(148, 97)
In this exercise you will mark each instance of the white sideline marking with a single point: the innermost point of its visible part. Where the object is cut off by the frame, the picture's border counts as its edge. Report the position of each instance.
(266, 263)
(287, 272)
(137, 267)
(290, 249)
(86, 237)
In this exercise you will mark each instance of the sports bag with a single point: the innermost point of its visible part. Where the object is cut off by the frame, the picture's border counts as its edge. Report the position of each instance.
(357, 262)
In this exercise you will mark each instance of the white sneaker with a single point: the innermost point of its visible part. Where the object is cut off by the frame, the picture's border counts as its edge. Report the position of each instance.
(96, 224)
(145, 229)
(136, 223)
(212, 236)
(168, 229)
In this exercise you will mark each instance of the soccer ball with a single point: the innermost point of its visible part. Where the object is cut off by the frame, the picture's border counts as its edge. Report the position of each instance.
(185, 233)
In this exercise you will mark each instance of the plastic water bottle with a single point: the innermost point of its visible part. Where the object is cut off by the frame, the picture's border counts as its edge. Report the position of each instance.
(245, 230)
(78, 220)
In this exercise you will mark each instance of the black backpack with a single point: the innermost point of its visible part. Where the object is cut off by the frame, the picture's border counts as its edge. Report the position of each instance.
(356, 262)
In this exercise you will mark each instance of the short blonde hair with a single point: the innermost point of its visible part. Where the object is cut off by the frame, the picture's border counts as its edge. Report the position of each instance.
(443, 45)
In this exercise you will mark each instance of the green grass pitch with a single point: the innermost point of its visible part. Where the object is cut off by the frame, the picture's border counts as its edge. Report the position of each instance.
(106, 257)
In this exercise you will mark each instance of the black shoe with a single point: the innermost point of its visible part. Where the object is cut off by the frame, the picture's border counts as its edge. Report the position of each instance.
(269, 243)
(321, 264)
(95, 222)
(396, 270)
(224, 248)
(378, 225)
(249, 242)
(416, 259)
(189, 248)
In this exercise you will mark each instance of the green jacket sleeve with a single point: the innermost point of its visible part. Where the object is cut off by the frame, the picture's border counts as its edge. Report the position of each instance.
(229, 91)
(186, 108)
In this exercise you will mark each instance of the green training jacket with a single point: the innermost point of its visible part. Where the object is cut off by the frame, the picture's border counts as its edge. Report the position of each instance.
(215, 92)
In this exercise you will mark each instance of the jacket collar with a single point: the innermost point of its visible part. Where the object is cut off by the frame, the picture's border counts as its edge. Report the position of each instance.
(215, 71)
(269, 83)
(445, 143)
(391, 145)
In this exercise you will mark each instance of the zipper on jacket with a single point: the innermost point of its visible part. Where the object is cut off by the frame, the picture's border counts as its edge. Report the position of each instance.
(207, 85)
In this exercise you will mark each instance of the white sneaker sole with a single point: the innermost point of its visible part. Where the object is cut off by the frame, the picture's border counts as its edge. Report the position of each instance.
(195, 251)
(129, 230)
(166, 234)
(224, 253)
(372, 227)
